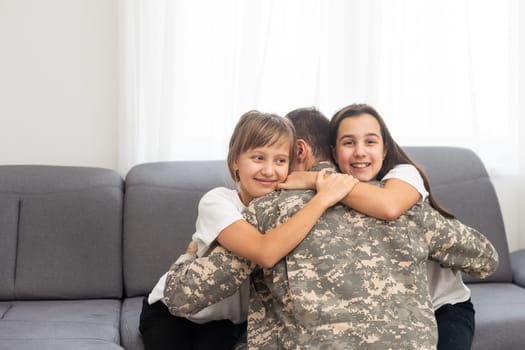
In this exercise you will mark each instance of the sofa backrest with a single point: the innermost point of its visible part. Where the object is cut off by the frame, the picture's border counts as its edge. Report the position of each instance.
(160, 209)
(60, 232)
(461, 184)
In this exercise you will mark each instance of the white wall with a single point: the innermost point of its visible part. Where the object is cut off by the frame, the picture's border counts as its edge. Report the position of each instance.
(59, 82)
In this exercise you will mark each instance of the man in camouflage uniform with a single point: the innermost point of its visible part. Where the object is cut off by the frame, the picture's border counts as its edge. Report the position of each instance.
(355, 282)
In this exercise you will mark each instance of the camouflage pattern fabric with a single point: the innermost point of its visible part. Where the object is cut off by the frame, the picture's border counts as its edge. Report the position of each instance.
(194, 283)
(355, 282)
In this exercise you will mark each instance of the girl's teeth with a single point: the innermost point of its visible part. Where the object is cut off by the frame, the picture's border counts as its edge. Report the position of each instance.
(359, 165)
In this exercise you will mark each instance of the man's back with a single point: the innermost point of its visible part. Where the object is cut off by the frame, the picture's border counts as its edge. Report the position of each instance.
(354, 282)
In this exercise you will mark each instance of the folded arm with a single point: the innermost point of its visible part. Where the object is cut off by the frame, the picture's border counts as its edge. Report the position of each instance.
(386, 202)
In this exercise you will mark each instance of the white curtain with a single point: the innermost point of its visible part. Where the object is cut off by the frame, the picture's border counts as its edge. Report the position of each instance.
(440, 72)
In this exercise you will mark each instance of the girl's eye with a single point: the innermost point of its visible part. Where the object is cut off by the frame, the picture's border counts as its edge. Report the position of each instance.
(348, 143)
(257, 158)
(282, 161)
(371, 142)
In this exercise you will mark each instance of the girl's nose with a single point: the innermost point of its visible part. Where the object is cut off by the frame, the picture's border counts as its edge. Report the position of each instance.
(359, 150)
(267, 168)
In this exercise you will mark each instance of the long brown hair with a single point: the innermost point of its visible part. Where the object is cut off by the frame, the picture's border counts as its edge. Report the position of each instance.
(394, 153)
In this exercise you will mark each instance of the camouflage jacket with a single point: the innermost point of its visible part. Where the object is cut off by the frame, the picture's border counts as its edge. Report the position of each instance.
(355, 282)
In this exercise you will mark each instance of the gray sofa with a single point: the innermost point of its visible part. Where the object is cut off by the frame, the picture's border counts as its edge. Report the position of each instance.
(80, 247)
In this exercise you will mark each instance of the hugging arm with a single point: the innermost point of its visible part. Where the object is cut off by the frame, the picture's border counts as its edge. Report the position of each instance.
(386, 202)
(458, 246)
(194, 283)
(267, 249)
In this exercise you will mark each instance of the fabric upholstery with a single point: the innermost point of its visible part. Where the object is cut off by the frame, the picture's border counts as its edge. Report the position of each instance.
(69, 245)
(60, 323)
(9, 208)
(159, 217)
(60, 257)
(518, 267)
(68, 239)
(129, 324)
(57, 344)
(500, 316)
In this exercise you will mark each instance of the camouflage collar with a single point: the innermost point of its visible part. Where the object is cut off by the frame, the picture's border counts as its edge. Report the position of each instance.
(324, 165)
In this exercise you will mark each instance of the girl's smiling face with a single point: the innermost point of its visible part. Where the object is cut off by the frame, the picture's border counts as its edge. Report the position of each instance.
(359, 148)
(260, 169)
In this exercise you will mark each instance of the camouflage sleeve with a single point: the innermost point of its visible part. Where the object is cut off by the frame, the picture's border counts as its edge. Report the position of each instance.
(193, 284)
(458, 246)
(250, 215)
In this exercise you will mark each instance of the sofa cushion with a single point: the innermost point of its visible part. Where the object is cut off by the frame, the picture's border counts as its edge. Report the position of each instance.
(68, 234)
(57, 344)
(130, 337)
(517, 259)
(159, 216)
(500, 316)
(461, 184)
(69, 245)
(78, 324)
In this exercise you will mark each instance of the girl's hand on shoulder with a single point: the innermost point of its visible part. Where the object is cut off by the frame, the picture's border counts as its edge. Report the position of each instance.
(299, 180)
(334, 187)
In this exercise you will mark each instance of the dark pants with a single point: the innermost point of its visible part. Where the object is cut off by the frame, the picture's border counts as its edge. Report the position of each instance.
(163, 331)
(456, 326)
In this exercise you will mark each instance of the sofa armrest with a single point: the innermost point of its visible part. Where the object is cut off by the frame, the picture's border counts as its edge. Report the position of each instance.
(517, 260)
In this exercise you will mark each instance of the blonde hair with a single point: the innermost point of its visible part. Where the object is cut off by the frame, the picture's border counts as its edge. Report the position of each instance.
(256, 129)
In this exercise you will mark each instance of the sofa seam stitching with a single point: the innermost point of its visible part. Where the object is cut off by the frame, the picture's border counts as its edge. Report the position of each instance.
(18, 221)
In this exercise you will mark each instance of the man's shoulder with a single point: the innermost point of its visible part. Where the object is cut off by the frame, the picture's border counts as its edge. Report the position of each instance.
(283, 195)
(272, 207)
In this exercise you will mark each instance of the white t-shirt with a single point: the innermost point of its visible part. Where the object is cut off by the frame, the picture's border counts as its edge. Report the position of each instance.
(218, 209)
(409, 174)
(446, 286)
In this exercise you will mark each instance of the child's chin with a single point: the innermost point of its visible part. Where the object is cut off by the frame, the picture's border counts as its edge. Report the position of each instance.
(363, 177)
(265, 192)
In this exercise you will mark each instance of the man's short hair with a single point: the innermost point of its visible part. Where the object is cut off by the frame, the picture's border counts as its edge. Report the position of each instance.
(313, 127)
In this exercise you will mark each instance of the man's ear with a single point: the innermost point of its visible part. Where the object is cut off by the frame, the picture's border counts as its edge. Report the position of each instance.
(300, 151)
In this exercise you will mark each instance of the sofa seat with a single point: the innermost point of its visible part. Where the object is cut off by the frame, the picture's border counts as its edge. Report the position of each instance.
(130, 337)
(57, 344)
(500, 316)
(60, 324)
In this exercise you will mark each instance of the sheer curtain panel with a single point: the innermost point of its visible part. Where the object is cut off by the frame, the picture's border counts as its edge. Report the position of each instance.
(441, 72)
